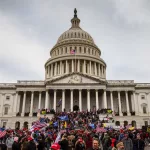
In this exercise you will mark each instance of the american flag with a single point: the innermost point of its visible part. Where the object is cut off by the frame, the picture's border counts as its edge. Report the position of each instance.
(72, 51)
(38, 125)
(2, 133)
(99, 129)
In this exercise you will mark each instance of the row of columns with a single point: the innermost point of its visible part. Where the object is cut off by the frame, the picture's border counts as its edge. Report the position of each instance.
(71, 101)
(59, 68)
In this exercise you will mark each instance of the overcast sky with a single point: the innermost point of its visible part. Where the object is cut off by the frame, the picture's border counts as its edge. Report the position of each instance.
(30, 28)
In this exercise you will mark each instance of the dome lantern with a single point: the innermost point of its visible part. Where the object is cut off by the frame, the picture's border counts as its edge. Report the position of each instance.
(75, 21)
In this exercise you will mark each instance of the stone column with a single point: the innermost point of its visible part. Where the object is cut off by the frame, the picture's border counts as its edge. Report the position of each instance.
(97, 102)
(55, 70)
(15, 104)
(78, 65)
(63, 99)
(99, 70)
(2, 103)
(51, 70)
(136, 103)
(24, 103)
(55, 95)
(84, 67)
(80, 99)
(88, 99)
(105, 99)
(71, 98)
(119, 102)
(72, 65)
(47, 100)
(127, 104)
(102, 74)
(111, 99)
(95, 69)
(31, 105)
(40, 96)
(62, 68)
(66, 66)
(60, 72)
(90, 68)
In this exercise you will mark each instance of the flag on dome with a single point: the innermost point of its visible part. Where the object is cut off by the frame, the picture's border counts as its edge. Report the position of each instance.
(72, 51)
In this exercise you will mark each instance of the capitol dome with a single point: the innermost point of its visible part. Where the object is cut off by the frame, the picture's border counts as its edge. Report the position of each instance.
(75, 52)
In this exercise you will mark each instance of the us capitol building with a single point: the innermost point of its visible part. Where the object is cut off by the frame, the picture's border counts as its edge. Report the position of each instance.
(75, 74)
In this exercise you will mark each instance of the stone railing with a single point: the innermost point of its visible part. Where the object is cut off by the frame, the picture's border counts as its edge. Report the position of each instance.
(32, 82)
(7, 85)
(121, 82)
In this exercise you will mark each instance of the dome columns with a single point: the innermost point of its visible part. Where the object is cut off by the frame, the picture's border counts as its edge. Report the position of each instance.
(88, 67)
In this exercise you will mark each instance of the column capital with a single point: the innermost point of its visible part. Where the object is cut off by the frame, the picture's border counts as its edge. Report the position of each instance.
(80, 89)
(24, 92)
(32, 92)
(40, 92)
(96, 90)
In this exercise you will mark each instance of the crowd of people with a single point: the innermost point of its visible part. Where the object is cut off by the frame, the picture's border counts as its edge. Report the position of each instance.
(73, 131)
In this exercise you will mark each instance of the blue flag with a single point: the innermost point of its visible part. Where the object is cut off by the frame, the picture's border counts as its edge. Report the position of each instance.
(63, 118)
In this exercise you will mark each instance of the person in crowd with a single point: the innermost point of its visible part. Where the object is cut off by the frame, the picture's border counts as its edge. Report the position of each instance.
(55, 146)
(95, 145)
(31, 144)
(120, 146)
(64, 142)
(106, 141)
(80, 144)
(138, 143)
(41, 144)
(15, 145)
(9, 142)
(127, 142)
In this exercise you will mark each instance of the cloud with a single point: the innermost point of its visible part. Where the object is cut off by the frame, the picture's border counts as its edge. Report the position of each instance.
(29, 29)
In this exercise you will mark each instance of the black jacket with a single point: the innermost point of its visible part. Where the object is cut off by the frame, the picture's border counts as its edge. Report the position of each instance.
(64, 144)
(15, 146)
(138, 144)
(31, 145)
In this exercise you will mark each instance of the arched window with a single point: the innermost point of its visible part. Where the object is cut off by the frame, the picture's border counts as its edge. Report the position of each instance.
(133, 123)
(71, 35)
(125, 123)
(89, 51)
(17, 125)
(25, 125)
(144, 108)
(117, 123)
(75, 34)
(66, 50)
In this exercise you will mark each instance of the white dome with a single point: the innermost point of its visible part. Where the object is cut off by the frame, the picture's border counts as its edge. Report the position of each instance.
(75, 33)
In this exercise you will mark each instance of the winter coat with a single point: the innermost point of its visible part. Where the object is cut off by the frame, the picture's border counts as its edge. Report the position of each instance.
(15, 146)
(138, 144)
(9, 142)
(128, 145)
(41, 145)
(31, 145)
(64, 144)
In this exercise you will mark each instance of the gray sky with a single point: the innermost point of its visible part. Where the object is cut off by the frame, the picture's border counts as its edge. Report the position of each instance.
(30, 28)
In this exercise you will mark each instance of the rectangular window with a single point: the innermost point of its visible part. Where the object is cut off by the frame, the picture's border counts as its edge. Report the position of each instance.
(4, 124)
(6, 111)
(7, 97)
(146, 123)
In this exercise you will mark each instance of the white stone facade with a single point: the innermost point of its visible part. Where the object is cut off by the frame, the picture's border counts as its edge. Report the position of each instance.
(77, 79)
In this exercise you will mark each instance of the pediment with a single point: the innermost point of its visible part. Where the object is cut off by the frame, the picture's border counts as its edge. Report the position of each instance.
(76, 79)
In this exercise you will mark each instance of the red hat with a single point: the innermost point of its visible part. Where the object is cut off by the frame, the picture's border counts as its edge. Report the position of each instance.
(30, 138)
(80, 140)
(55, 146)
